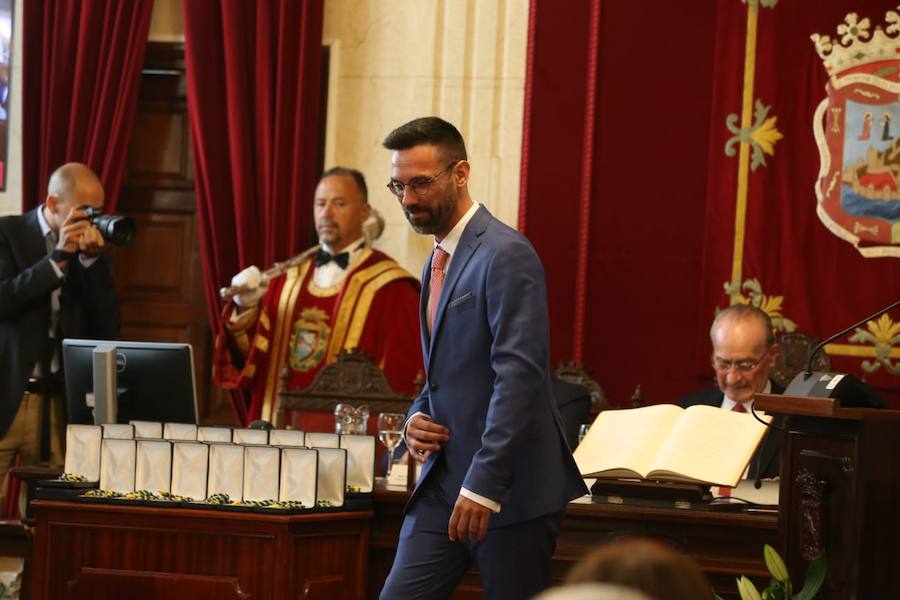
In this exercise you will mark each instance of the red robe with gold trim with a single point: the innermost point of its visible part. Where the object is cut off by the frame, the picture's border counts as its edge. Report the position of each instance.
(304, 327)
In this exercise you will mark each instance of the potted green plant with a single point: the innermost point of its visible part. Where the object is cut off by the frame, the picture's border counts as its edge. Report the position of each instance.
(780, 587)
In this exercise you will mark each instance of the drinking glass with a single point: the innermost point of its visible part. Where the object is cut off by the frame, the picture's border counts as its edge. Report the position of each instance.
(390, 430)
(582, 431)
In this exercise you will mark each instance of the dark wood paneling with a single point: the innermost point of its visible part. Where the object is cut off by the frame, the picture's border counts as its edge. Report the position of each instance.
(112, 584)
(160, 276)
(177, 553)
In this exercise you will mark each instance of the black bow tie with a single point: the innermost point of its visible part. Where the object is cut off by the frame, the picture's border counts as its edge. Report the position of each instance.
(341, 260)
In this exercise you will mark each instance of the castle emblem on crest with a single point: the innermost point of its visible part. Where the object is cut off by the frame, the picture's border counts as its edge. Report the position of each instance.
(857, 129)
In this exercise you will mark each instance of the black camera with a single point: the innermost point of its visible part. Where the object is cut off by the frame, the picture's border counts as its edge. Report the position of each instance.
(115, 229)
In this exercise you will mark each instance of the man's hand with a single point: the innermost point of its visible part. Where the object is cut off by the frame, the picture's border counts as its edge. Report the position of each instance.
(469, 521)
(92, 242)
(252, 280)
(72, 231)
(423, 436)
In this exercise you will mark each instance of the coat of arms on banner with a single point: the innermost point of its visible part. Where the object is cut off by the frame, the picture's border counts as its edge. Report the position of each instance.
(857, 129)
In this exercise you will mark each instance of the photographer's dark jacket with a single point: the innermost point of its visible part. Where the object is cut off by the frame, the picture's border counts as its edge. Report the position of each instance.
(88, 306)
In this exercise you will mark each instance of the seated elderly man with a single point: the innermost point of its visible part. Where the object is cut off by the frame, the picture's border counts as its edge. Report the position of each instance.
(744, 351)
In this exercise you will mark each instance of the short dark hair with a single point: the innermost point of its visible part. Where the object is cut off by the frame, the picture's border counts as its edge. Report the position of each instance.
(357, 176)
(428, 130)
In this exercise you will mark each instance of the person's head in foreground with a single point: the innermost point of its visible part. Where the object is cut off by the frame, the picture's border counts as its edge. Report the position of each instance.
(652, 567)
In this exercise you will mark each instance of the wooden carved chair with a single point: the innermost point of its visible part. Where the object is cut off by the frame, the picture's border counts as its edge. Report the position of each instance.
(795, 347)
(579, 398)
(351, 379)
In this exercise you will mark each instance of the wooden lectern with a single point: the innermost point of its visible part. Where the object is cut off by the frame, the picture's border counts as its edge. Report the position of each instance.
(840, 492)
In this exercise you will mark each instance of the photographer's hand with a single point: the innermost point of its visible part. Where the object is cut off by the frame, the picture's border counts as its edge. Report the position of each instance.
(92, 242)
(71, 232)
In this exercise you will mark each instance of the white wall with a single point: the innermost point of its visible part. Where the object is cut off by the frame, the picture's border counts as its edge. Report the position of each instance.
(395, 60)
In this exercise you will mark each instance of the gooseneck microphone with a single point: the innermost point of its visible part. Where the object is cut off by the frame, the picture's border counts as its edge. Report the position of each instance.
(807, 372)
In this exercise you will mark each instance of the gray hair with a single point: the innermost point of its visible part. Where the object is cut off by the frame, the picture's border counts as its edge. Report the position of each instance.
(738, 312)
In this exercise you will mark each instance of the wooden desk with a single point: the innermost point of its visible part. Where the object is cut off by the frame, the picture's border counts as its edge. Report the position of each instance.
(103, 551)
(726, 545)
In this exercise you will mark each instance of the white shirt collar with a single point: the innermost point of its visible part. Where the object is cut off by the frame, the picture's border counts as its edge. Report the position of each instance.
(451, 240)
(728, 403)
(353, 249)
(42, 221)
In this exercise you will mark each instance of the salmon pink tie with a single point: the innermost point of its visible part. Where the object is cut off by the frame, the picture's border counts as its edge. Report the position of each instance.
(438, 262)
(739, 407)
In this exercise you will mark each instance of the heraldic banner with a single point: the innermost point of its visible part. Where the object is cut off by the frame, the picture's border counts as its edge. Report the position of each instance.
(803, 188)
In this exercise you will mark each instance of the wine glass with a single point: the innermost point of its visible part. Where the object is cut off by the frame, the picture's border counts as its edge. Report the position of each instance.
(390, 430)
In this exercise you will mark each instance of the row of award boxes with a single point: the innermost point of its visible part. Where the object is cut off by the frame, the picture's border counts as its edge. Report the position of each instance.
(250, 465)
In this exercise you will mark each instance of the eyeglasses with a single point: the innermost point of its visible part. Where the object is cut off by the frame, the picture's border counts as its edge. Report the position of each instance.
(742, 366)
(420, 185)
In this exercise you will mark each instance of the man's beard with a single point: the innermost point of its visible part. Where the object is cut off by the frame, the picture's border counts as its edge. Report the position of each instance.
(438, 217)
(334, 235)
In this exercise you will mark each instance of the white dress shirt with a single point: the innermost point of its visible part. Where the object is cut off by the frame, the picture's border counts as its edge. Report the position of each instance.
(448, 245)
(331, 274)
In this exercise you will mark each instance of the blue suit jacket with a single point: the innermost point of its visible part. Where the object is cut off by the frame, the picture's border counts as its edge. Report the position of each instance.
(488, 381)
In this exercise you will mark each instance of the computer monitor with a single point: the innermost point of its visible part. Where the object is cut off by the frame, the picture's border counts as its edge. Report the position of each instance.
(154, 381)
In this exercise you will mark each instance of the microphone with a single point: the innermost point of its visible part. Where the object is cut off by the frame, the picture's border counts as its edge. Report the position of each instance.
(849, 389)
(828, 340)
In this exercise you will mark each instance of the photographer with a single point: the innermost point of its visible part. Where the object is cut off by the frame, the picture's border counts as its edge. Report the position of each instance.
(55, 282)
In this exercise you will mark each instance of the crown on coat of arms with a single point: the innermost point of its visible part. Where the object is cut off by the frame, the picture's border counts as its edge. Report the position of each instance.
(856, 45)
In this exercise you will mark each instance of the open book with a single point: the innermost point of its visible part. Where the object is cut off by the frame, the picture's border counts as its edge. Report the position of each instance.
(700, 444)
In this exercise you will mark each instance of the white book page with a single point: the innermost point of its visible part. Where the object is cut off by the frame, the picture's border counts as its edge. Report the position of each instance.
(711, 445)
(626, 439)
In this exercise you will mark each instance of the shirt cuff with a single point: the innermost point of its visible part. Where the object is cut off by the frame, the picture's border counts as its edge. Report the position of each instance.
(405, 425)
(485, 502)
(57, 270)
(87, 261)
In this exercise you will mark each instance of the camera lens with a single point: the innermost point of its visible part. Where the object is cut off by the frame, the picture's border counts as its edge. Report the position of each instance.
(116, 229)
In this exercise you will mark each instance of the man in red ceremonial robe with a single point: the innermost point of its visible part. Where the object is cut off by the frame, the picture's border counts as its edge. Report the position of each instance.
(347, 295)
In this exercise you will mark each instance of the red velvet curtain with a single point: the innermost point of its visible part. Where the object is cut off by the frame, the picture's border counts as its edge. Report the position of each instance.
(254, 90)
(614, 163)
(83, 61)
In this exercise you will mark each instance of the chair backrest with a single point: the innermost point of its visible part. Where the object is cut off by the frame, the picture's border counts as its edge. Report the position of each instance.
(572, 372)
(795, 348)
(352, 379)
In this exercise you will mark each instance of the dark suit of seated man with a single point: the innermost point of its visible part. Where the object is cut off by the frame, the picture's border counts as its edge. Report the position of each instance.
(744, 351)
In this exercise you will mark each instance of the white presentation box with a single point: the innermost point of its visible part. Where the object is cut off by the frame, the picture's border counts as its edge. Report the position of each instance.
(299, 475)
(83, 450)
(214, 434)
(315, 439)
(261, 472)
(186, 432)
(153, 471)
(287, 437)
(118, 431)
(117, 459)
(147, 429)
(226, 471)
(258, 437)
(360, 461)
(332, 475)
(190, 461)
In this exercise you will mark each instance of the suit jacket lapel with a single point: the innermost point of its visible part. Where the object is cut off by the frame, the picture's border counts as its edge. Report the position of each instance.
(468, 243)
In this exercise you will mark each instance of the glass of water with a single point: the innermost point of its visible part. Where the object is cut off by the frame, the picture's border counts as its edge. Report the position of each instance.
(390, 430)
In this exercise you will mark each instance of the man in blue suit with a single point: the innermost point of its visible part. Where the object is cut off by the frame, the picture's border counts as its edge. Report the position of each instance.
(497, 471)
